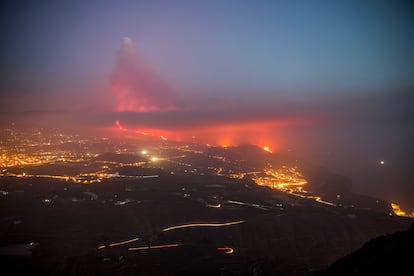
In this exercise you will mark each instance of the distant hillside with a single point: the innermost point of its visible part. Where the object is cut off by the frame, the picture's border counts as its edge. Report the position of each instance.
(249, 154)
(332, 187)
(386, 255)
(119, 158)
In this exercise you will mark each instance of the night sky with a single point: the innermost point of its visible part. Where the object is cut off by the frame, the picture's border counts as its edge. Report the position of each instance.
(332, 80)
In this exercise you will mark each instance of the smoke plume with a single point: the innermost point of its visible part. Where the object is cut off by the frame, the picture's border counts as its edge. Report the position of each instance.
(135, 86)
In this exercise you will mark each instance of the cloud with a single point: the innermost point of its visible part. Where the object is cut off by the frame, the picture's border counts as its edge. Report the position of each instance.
(135, 86)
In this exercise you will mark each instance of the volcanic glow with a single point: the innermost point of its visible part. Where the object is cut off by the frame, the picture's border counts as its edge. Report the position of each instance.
(147, 106)
(203, 225)
(267, 148)
(262, 134)
(135, 86)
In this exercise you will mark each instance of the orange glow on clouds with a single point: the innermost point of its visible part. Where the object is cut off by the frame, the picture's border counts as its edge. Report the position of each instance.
(262, 134)
(135, 86)
(223, 122)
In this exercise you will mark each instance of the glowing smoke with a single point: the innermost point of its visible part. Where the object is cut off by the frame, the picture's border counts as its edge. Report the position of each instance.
(146, 105)
(135, 86)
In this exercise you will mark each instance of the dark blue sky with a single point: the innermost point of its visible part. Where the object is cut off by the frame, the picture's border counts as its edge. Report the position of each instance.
(278, 49)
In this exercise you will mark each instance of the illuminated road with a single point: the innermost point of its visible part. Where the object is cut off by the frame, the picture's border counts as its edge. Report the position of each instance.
(118, 243)
(154, 247)
(247, 204)
(203, 225)
(226, 250)
(399, 212)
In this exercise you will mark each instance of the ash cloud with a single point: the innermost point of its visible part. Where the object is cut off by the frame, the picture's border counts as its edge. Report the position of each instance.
(135, 86)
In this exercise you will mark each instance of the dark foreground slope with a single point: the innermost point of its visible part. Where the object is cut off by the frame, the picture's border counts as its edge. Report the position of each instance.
(386, 255)
(123, 227)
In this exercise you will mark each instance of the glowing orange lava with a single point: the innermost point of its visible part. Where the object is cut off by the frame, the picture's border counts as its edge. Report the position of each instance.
(263, 134)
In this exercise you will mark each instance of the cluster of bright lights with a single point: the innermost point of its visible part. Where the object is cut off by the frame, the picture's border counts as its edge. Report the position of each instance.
(203, 225)
(152, 158)
(267, 148)
(399, 212)
(288, 179)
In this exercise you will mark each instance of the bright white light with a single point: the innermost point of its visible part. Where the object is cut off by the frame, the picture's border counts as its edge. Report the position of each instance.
(267, 148)
(154, 158)
(144, 152)
(382, 162)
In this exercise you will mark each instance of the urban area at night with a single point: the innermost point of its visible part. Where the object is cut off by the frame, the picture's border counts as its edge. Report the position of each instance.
(214, 138)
